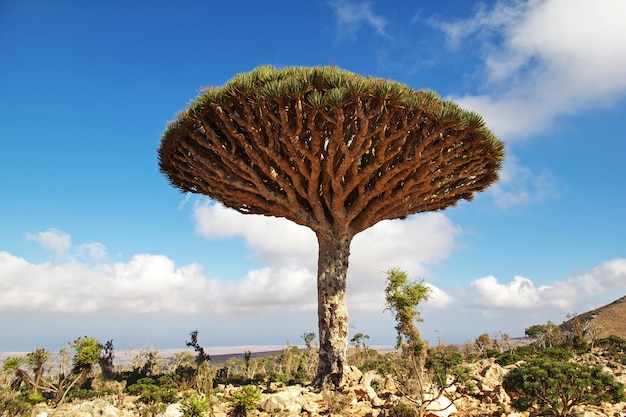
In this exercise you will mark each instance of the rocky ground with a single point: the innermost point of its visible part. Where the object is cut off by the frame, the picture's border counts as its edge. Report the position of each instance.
(358, 398)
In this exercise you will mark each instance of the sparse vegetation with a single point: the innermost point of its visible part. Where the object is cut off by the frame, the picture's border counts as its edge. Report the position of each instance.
(552, 379)
(422, 373)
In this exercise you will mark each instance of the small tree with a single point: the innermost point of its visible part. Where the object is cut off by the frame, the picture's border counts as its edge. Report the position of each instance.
(547, 335)
(37, 360)
(483, 343)
(13, 372)
(201, 355)
(87, 353)
(244, 401)
(106, 360)
(560, 386)
(308, 364)
(594, 330)
(506, 341)
(361, 351)
(422, 381)
(402, 298)
(308, 338)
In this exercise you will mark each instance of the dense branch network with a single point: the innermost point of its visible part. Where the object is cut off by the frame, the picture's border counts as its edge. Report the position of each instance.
(328, 149)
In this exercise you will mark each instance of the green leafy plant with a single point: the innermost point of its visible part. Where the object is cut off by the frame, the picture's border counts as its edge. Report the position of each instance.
(87, 353)
(508, 358)
(11, 369)
(559, 386)
(613, 348)
(194, 406)
(546, 335)
(377, 385)
(244, 401)
(152, 392)
(37, 360)
(402, 410)
(444, 362)
(15, 404)
(402, 297)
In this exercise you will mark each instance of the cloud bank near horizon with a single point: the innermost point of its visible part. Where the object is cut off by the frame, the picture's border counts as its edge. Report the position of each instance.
(153, 283)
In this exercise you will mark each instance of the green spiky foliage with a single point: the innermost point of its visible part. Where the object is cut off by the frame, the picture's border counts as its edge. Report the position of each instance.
(333, 151)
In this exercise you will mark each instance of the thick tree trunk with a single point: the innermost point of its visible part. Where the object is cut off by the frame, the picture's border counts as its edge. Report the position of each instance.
(332, 309)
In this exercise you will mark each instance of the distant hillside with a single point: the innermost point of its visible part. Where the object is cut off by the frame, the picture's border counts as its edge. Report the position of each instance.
(608, 320)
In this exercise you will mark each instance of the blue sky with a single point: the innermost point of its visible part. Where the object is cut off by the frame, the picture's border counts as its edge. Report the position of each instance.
(93, 240)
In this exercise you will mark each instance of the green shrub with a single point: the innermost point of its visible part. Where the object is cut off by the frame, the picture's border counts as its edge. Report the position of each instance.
(526, 351)
(402, 410)
(559, 386)
(612, 342)
(443, 361)
(556, 353)
(15, 404)
(245, 400)
(508, 358)
(88, 394)
(377, 385)
(614, 348)
(87, 353)
(194, 406)
(378, 362)
(267, 377)
(150, 392)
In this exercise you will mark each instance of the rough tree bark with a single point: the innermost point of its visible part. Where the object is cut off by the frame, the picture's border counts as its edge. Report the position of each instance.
(332, 309)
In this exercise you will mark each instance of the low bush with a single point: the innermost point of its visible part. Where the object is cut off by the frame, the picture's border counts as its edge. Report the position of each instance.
(508, 358)
(194, 406)
(559, 386)
(402, 410)
(613, 348)
(151, 391)
(245, 400)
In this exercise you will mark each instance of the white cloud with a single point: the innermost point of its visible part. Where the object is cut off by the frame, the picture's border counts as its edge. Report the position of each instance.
(150, 283)
(608, 276)
(521, 292)
(60, 243)
(54, 240)
(270, 289)
(274, 240)
(352, 14)
(544, 59)
(291, 252)
(153, 284)
(145, 284)
(438, 299)
(95, 251)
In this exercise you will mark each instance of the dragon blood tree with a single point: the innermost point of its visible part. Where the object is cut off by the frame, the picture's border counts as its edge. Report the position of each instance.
(332, 151)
